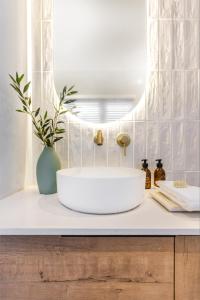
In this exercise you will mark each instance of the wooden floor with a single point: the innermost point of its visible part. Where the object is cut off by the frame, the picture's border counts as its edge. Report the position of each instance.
(99, 268)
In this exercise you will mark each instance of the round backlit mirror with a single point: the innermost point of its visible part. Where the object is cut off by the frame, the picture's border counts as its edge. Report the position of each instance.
(100, 47)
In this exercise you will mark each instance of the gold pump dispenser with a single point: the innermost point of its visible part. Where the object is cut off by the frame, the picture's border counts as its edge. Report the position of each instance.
(148, 174)
(159, 173)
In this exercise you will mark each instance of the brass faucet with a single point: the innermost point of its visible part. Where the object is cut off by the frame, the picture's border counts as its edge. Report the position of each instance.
(98, 139)
(123, 140)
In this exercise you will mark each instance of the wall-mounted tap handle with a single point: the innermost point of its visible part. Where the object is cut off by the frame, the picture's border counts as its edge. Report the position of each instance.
(123, 140)
(125, 150)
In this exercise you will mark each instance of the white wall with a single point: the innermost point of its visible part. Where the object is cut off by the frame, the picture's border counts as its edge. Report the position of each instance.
(12, 124)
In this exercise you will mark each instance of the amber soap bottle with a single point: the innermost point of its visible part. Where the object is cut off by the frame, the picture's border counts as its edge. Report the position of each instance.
(148, 174)
(159, 173)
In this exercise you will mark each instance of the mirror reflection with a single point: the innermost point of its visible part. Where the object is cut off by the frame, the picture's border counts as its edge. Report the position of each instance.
(100, 47)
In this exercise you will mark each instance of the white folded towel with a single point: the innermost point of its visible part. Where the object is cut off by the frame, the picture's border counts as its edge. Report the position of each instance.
(187, 197)
(165, 201)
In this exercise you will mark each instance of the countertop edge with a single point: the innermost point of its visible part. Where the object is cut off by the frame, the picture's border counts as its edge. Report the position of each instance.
(98, 232)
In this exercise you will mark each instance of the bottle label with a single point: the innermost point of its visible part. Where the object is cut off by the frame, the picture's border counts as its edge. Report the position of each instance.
(148, 182)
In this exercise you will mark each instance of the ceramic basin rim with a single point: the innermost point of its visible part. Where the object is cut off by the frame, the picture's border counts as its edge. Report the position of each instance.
(134, 173)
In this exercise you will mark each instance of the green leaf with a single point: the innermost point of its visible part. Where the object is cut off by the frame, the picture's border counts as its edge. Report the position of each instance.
(24, 102)
(19, 110)
(46, 130)
(45, 125)
(26, 87)
(20, 98)
(61, 97)
(37, 112)
(21, 77)
(55, 108)
(45, 115)
(60, 122)
(69, 101)
(57, 139)
(49, 135)
(64, 89)
(16, 89)
(60, 130)
(47, 121)
(12, 78)
(71, 88)
(63, 112)
(17, 78)
(34, 123)
(72, 93)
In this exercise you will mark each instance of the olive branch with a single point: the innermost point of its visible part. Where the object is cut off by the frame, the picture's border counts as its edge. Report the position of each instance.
(48, 129)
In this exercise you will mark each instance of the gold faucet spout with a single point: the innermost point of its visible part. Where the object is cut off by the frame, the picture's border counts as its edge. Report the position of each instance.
(98, 139)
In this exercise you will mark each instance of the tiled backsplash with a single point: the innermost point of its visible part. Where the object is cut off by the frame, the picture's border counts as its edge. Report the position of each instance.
(166, 122)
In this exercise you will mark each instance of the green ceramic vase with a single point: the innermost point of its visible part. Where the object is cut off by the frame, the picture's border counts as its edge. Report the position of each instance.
(47, 165)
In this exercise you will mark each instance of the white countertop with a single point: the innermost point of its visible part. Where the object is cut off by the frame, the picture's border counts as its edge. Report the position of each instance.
(29, 213)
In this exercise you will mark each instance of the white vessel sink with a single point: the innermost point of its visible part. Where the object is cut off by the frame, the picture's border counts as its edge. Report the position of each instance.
(101, 190)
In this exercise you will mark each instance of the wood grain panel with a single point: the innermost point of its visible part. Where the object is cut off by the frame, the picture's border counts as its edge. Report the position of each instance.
(187, 268)
(86, 268)
(85, 291)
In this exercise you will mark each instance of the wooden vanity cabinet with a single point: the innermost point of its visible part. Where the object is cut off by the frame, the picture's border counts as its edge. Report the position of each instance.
(99, 268)
(187, 268)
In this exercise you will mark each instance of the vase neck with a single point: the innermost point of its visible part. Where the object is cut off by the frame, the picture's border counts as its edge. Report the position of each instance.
(49, 148)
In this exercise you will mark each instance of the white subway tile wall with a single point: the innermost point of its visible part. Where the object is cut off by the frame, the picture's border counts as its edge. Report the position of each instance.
(166, 122)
